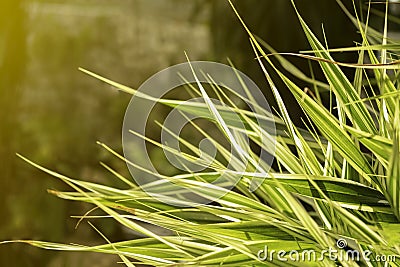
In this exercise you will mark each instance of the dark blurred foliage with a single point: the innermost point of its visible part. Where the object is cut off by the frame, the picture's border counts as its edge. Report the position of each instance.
(276, 23)
(12, 58)
(53, 114)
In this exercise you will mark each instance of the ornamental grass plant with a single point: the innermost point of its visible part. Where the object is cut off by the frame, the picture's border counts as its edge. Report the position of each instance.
(334, 184)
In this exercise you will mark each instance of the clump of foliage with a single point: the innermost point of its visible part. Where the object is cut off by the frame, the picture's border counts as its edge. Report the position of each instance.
(338, 179)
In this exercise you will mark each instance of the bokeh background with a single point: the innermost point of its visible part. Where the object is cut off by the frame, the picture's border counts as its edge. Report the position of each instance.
(53, 114)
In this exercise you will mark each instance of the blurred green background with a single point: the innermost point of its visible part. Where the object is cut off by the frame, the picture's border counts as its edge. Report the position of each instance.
(53, 114)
